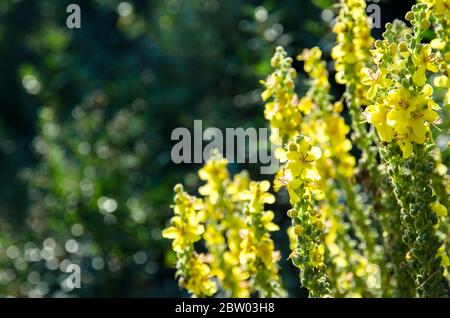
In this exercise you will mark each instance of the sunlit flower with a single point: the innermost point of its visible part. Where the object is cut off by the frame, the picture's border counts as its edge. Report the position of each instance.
(424, 60)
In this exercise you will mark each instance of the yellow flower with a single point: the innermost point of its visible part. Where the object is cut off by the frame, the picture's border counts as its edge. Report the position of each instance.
(292, 238)
(376, 115)
(406, 148)
(317, 72)
(443, 82)
(266, 252)
(212, 236)
(198, 280)
(266, 221)
(316, 255)
(183, 233)
(375, 80)
(301, 160)
(214, 172)
(424, 60)
(438, 44)
(257, 195)
(185, 226)
(338, 107)
(248, 250)
(439, 7)
(411, 113)
(410, 116)
(306, 105)
(240, 184)
(300, 170)
(438, 208)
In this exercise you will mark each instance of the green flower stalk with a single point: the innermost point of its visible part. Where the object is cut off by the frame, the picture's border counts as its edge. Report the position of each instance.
(225, 219)
(186, 228)
(352, 55)
(325, 126)
(281, 101)
(412, 188)
(258, 253)
(300, 177)
(399, 282)
(231, 223)
(402, 114)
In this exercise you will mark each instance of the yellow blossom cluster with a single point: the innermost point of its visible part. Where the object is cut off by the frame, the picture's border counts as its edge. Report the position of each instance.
(438, 14)
(327, 131)
(404, 117)
(403, 111)
(403, 106)
(282, 111)
(258, 253)
(300, 176)
(231, 222)
(354, 41)
(186, 229)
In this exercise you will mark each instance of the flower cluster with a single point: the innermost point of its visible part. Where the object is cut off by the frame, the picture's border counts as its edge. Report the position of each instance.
(354, 41)
(327, 130)
(283, 110)
(186, 229)
(404, 116)
(258, 253)
(438, 13)
(403, 111)
(352, 57)
(231, 222)
(222, 237)
(299, 176)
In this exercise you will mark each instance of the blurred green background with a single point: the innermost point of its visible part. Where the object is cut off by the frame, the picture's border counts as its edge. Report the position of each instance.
(86, 119)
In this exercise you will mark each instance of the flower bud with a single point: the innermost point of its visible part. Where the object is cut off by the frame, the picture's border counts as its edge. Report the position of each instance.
(292, 213)
(299, 230)
(275, 61)
(403, 47)
(178, 188)
(425, 24)
(393, 48)
(409, 16)
(319, 224)
(292, 147)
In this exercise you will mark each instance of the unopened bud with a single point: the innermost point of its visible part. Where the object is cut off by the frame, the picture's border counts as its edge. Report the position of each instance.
(292, 213)
(425, 24)
(178, 188)
(403, 46)
(298, 230)
(318, 224)
(292, 147)
(409, 16)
